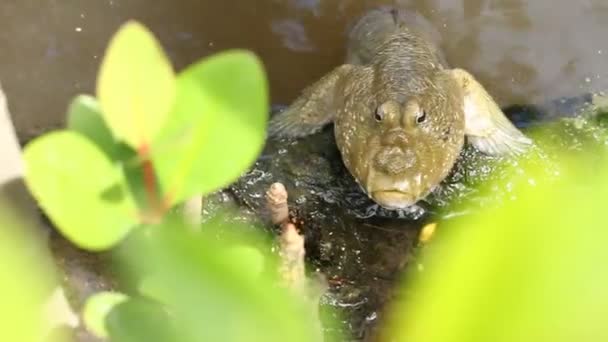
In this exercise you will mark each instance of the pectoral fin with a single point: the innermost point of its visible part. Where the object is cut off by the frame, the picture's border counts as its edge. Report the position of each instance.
(315, 108)
(486, 126)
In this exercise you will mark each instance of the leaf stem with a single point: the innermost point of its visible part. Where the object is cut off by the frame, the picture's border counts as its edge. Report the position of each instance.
(157, 207)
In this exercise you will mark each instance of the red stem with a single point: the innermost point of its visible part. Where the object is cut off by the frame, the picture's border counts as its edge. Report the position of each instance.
(150, 179)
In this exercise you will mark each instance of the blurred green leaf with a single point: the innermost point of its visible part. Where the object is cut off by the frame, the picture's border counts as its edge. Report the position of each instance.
(247, 261)
(135, 85)
(84, 116)
(532, 269)
(151, 286)
(251, 258)
(210, 295)
(82, 192)
(96, 309)
(26, 280)
(141, 320)
(217, 127)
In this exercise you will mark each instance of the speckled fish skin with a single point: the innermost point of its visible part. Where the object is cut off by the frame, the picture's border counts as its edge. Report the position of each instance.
(400, 114)
(398, 155)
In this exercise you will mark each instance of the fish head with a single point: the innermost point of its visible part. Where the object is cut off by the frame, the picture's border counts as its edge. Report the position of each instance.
(399, 148)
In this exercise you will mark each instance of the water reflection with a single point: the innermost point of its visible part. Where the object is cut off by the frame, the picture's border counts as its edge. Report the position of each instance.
(293, 34)
(523, 51)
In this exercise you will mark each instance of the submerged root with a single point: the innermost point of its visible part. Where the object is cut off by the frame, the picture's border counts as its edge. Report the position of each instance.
(192, 209)
(276, 199)
(292, 269)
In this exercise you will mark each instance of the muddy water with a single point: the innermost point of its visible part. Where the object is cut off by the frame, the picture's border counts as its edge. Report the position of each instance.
(524, 51)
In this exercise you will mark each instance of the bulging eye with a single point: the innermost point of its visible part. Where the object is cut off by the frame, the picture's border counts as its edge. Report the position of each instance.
(379, 114)
(421, 117)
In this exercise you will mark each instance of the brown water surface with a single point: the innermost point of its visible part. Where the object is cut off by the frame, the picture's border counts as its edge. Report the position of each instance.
(523, 51)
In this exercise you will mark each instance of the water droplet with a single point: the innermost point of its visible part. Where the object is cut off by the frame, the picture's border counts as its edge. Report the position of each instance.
(371, 317)
(255, 195)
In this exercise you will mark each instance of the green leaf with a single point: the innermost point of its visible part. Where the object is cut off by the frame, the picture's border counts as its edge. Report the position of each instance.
(84, 116)
(97, 308)
(141, 320)
(251, 260)
(82, 192)
(531, 269)
(26, 278)
(135, 85)
(150, 286)
(217, 127)
(211, 291)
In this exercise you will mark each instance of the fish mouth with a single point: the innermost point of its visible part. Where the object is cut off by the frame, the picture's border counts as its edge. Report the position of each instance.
(393, 199)
(393, 192)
